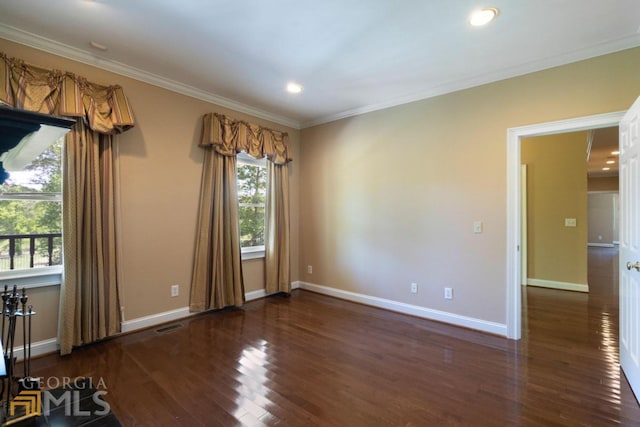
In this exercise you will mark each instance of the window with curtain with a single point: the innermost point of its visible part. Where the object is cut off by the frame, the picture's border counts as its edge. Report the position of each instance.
(217, 279)
(31, 218)
(251, 175)
(89, 299)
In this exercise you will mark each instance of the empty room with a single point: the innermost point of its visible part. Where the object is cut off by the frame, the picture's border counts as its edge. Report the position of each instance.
(319, 213)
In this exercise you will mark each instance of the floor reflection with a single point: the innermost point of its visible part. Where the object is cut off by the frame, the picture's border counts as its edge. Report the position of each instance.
(577, 329)
(252, 367)
(315, 360)
(603, 287)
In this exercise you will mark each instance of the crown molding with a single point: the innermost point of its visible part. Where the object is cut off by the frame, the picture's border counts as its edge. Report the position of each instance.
(51, 46)
(38, 42)
(604, 48)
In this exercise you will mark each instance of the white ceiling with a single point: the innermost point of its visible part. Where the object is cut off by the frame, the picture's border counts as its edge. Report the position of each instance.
(351, 56)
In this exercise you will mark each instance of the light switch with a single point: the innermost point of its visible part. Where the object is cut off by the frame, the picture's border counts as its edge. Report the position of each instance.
(477, 227)
(569, 222)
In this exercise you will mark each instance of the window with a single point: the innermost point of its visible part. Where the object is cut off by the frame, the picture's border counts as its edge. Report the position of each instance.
(252, 191)
(31, 218)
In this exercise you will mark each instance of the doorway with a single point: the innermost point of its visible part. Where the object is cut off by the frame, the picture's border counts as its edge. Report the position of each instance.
(514, 136)
(557, 210)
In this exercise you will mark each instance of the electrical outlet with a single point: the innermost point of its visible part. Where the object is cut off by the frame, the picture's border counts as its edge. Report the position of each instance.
(448, 293)
(310, 269)
(175, 290)
(414, 288)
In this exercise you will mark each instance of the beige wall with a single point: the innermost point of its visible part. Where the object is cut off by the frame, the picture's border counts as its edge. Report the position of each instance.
(602, 211)
(605, 183)
(389, 197)
(556, 190)
(45, 302)
(160, 167)
(371, 210)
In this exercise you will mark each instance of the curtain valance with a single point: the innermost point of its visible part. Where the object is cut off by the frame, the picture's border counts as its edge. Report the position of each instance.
(228, 137)
(105, 108)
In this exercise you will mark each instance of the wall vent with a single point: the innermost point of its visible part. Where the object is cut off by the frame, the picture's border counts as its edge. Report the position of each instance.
(168, 328)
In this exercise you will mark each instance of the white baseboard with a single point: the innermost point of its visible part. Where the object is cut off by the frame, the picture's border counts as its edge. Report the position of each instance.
(565, 286)
(413, 310)
(51, 345)
(181, 313)
(38, 348)
(262, 293)
(253, 295)
(155, 319)
(601, 245)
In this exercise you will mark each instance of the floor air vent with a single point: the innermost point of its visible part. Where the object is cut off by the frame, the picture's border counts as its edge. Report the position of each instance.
(168, 328)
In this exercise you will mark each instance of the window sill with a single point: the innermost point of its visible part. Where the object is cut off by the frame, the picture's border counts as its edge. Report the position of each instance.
(253, 254)
(32, 278)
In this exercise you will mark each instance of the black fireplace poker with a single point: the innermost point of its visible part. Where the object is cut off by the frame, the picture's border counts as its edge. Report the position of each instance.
(14, 305)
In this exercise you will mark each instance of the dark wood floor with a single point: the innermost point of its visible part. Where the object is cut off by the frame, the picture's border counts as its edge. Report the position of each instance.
(314, 360)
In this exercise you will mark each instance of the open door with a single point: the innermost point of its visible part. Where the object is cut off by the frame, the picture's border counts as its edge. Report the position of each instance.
(524, 273)
(630, 246)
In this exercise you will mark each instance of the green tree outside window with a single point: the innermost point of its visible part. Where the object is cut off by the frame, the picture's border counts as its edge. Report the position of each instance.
(252, 187)
(33, 206)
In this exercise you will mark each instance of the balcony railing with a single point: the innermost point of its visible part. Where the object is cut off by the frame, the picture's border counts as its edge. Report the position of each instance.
(42, 250)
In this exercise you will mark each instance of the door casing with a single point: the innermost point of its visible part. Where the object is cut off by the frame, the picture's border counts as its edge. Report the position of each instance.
(514, 226)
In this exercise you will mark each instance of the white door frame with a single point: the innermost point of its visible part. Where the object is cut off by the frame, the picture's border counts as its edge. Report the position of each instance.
(514, 135)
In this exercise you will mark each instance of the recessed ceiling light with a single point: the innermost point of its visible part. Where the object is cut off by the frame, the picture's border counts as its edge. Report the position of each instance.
(293, 87)
(483, 16)
(610, 162)
(606, 169)
(615, 153)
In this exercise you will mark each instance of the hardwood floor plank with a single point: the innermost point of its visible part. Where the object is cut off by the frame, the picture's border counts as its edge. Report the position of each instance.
(314, 360)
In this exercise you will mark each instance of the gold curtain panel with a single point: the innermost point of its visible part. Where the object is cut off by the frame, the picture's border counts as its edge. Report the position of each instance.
(27, 87)
(89, 303)
(228, 137)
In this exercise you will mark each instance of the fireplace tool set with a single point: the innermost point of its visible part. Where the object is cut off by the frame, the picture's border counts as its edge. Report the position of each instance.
(15, 311)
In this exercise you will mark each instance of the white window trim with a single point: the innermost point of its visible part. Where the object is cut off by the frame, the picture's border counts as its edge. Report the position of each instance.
(43, 197)
(32, 278)
(245, 159)
(253, 252)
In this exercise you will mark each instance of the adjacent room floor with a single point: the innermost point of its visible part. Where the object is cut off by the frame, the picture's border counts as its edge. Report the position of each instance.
(314, 360)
